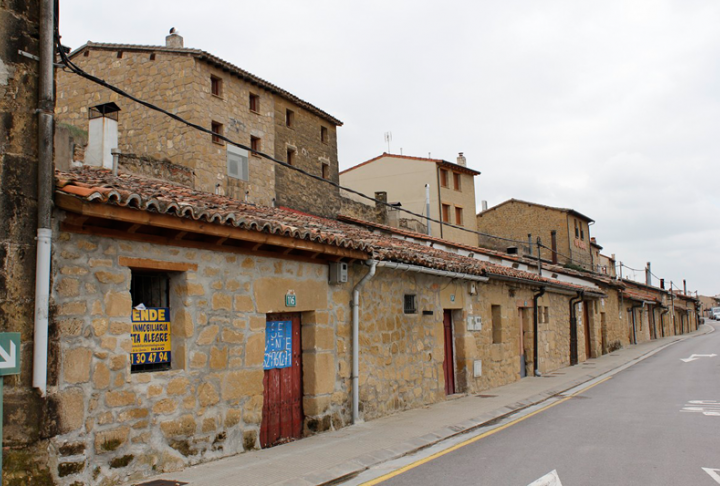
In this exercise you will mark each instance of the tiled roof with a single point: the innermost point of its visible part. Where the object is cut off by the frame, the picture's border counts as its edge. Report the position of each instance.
(564, 210)
(639, 295)
(126, 190)
(442, 162)
(218, 62)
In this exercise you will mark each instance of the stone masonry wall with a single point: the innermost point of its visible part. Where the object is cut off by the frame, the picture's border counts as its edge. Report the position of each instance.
(181, 84)
(295, 190)
(28, 419)
(116, 425)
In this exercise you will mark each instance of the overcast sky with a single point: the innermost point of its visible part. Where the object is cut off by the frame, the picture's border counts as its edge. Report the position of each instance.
(611, 108)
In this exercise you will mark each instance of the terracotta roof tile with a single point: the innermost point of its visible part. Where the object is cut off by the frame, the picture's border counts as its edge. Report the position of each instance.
(127, 190)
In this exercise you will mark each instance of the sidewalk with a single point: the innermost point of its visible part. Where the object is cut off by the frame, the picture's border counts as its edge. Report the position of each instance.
(332, 456)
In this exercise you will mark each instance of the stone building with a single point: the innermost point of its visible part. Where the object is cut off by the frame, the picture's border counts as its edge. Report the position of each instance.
(219, 96)
(565, 233)
(403, 179)
(434, 321)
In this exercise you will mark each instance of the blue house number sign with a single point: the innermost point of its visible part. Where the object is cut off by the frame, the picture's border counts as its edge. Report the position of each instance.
(278, 345)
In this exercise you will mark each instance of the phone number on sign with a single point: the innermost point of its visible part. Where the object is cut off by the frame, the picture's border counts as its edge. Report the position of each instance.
(144, 358)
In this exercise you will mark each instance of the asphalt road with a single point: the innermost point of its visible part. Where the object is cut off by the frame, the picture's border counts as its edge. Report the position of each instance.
(656, 423)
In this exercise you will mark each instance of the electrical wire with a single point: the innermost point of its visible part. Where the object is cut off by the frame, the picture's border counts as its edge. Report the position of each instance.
(73, 68)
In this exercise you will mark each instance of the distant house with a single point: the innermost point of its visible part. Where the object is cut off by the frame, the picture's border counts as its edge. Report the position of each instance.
(564, 233)
(404, 179)
(602, 263)
(219, 96)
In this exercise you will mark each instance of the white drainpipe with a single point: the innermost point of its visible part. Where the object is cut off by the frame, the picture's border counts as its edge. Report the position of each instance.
(356, 342)
(356, 314)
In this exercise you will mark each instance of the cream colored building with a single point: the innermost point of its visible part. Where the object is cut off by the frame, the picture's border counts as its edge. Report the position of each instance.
(404, 179)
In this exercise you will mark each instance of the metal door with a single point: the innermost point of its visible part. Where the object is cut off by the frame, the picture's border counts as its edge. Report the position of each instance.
(449, 362)
(282, 417)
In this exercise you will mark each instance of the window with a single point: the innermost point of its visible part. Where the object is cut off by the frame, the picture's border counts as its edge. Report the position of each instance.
(119, 54)
(324, 135)
(496, 324)
(152, 56)
(582, 232)
(443, 178)
(458, 216)
(456, 181)
(237, 163)
(289, 118)
(217, 129)
(445, 213)
(291, 156)
(216, 86)
(325, 171)
(254, 103)
(256, 145)
(546, 311)
(152, 290)
(577, 230)
(410, 304)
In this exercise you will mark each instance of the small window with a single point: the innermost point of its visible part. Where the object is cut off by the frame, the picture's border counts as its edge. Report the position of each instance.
(582, 232)
(456, 181)
(237, 163)
(291, 156)
(152, 56)
(324, 134)
(255, 145)
(150, 328)
(254, 103)
(577, 230)
(496, 324)
(86, 53)
(410, 304)
(119, 54)
(217, 129)
(289, 118)
(443, 178)
(325, 171)
(445, 213)
(546, 311)
(216, 86)
(459, 216)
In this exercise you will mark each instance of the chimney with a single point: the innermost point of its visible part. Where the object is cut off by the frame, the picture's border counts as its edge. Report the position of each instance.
(461, 160)
(102, 135)
(648, 274)
(381, 196)
(484, 205)
(174, 39)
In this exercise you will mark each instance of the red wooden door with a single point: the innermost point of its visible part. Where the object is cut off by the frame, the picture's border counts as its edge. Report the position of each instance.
(282, 417)
(449, 362)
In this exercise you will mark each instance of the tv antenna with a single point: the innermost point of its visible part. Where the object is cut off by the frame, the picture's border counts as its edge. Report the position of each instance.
(388, 139)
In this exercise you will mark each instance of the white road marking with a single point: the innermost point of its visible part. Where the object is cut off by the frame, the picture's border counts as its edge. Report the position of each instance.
(550, 479)
(697, 356)
(714, 473)
(710, 408)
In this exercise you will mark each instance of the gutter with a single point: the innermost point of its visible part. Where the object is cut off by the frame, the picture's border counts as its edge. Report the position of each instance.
(46, 106)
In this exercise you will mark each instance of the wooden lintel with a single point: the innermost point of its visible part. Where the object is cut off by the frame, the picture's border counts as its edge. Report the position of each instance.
(180, 235)
(147, 264)
(163, 240)
(134, 216)
(134, 228)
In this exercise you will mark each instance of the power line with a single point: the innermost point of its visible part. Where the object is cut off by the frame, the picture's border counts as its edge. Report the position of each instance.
(73, 68)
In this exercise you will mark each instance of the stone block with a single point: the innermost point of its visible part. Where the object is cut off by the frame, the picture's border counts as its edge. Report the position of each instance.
(165, 406)
(118, 362)
(221, 301)
(207, 335)
(183, 325)
(255, 350)
(101, 376)
(178, 386)
(68, 287)
(118, 304)
(71, 409)
(198, 360)
(133, 414)
(218, 358)
(243, 383)
(231, 336)
(318, 338)
(184, 426)
(233, 417)
(119, 398)
(207, 395)
(316, 405)
(100, 326)
(318, 373)
(70, 327)
(120, 328)
(76, 365)
(72, 309)
(244, 303)
(110, 440)
(105, 277)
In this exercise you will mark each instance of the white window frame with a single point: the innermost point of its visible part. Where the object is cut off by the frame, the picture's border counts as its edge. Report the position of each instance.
(237, 163)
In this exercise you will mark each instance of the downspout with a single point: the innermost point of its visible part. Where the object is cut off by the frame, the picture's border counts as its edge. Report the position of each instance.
(355, 304)
(537, 296)
(46, 105)
(662, 322)
(573, 327)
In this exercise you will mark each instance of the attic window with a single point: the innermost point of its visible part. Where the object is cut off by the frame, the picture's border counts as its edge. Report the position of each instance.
(289, 118)
(255, 145)
(217, 129)
(291, 156)
(456, 181)
(216, 86)
(86, 53)
(152, 56)
(324, 134)
(119, 54)
(325, 171)
(410, 304)
(443, 178)
(254, 103)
